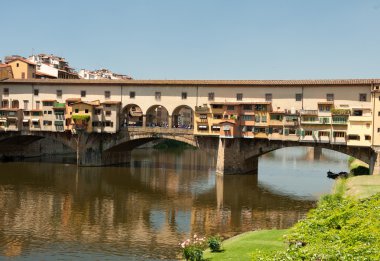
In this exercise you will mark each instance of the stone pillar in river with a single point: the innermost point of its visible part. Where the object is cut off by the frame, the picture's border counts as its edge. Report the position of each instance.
(231, 159)
(374, 165)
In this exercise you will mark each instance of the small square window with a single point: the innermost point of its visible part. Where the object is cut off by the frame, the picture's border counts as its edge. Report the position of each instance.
(6, 91)
(298, 96)
(132, 95)
(76, 110)
(107, 94)
(184, 95)
(36, 92)
(59, 93)
(82, 93)
(268, 97)
(367, 137)
(330, 97)
(230, 107)
(86, 111)
(157, 95)
(378, 130)
(211, 96)
(239, 96)
(362, 97)
(108, 113)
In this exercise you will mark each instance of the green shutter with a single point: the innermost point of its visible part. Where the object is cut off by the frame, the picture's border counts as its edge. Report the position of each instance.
(270, 130)
(286, 131)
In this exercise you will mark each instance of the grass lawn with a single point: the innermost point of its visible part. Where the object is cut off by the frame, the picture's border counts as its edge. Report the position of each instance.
(242, 246)
(362, 186)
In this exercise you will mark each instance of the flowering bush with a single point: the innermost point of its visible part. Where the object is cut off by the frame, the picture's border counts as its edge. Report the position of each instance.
(192, 249)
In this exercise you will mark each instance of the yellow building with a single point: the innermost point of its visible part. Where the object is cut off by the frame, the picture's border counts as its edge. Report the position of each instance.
(5, 71)
(23, 69)
(82, 115)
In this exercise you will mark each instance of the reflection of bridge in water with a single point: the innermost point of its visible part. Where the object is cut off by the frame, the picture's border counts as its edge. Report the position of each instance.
(119, 207)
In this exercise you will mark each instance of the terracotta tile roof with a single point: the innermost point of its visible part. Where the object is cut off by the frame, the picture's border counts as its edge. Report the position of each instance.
(3, 65)
(73, 99)
(49, 100)
(200, 83)
(22, 60)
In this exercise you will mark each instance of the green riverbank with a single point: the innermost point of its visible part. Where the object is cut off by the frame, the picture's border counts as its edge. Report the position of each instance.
(342, 226)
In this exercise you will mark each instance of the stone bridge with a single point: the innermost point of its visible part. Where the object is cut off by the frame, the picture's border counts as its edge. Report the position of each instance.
(234, 155)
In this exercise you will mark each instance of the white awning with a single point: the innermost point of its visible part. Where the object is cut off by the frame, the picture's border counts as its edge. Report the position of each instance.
(202, 127)
(216, 127)
(25, 120)
(35, 120)
(3, 120)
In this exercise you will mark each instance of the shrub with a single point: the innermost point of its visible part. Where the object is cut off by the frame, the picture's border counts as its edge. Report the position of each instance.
(215, 243)
(338, 229)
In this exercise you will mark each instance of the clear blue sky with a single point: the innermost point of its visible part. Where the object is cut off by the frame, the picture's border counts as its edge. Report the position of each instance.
(201, 39)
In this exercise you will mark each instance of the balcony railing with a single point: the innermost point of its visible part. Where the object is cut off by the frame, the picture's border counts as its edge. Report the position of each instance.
(309, 112)
(202, 109)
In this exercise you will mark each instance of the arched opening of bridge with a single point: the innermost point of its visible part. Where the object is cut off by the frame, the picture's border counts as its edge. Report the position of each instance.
(132, 116)
(15, 147)
(182, 117)
(157, 116)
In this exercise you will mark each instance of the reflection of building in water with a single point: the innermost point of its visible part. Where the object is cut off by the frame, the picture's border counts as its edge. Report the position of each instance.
(154, 207)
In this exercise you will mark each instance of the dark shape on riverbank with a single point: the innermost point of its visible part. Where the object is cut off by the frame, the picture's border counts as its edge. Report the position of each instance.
(333, 175)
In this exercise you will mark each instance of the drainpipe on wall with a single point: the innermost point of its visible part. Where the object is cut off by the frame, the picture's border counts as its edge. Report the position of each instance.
(373, 112)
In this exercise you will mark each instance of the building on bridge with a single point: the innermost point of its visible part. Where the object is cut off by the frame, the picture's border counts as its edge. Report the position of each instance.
(335, 112)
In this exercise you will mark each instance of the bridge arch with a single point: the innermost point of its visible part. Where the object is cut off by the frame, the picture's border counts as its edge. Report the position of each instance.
(131, 115)
(183, 117)
(263, 147)
(157, 116)
(15, 143)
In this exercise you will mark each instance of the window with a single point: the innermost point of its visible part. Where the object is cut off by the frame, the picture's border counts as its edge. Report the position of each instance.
(217, 106)
(203, 116)
(22, 75)
(230, 107)
(132, 95)
(211, 96)
(260, 107)
(263, 118)
(47, 123)
(353, 137)
(47, 103)
(247, 107)
(247, 117)
(339, 134)
(217, 116)
(98, 111)
(26, 104)
(4, 103)
(184, 95)
(17, 65)
(157, 95)
(308, 133)
(15, 104)
(109, 124)
(298, 96)
(323, 134)
(367, 137)
(362, 97)
(6, 92)
(38, 103)
(36, 92)
(330, 97)
(82, 93)
(357, 113)
(107, 94)
(86, 111)
(268, 97)
(378, 130)
(76, 110)
(378, 113)
(239, 96)
(108, 113)
(59, 94)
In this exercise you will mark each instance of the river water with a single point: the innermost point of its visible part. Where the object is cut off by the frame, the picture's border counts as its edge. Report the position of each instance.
(54, 211)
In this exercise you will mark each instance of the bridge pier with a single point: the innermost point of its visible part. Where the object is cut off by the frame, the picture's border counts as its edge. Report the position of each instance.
(94, 158)
(231, 159)
(374, 165)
